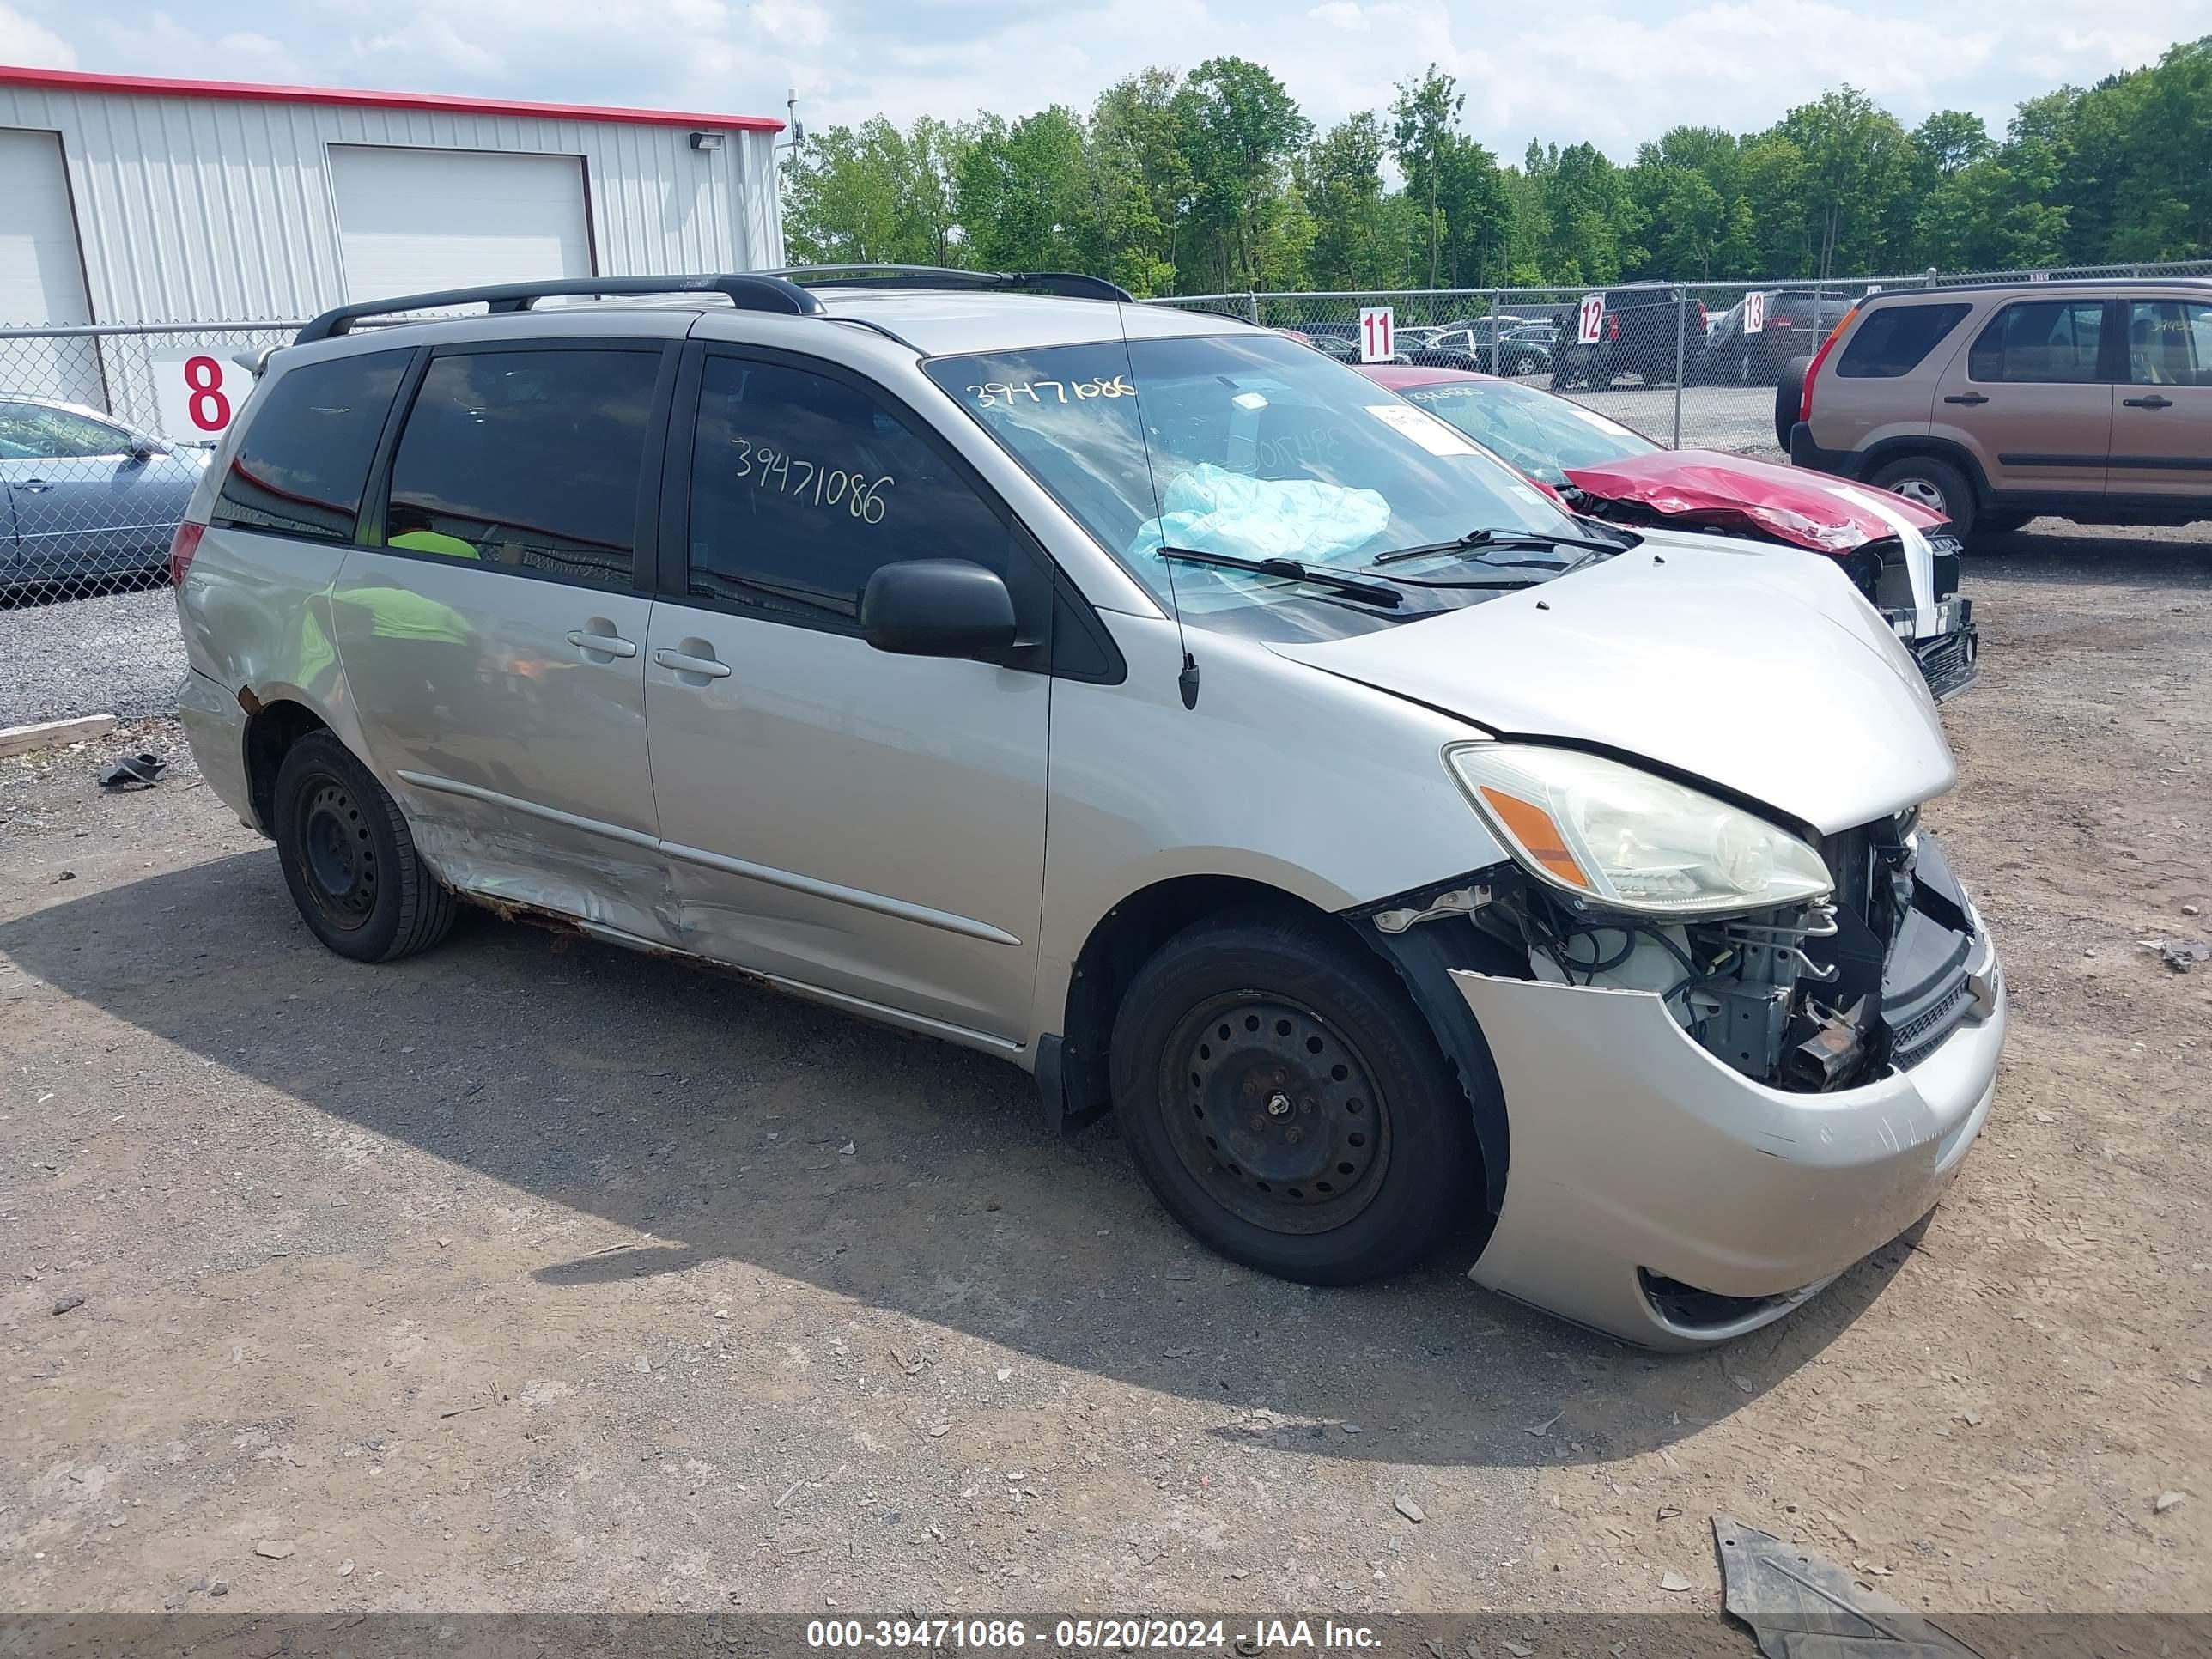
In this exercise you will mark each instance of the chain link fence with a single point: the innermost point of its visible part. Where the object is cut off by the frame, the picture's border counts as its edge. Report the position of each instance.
(104, 432)
(1696, 365)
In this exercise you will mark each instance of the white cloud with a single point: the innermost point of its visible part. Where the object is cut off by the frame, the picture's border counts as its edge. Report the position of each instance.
(1340, 15)
(428, 38)
(32, 45)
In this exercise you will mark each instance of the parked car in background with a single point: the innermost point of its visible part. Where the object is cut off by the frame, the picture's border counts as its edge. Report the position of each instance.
(1992, 405)
(84, 497)
(1135, 696)
(1480, 346)
(1793, 324)
(1897, 554)
(1645, 332)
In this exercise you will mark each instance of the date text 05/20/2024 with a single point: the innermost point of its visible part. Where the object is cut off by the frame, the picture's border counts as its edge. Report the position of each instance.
(1124, 1635)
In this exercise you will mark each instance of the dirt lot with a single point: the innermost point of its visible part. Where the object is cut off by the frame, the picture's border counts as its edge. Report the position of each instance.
(533, 1275)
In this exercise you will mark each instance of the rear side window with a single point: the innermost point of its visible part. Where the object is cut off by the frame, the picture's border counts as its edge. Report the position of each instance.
(40, 432)
(1895, 340)
(529, 459)
(300, 466)
(2046, 342)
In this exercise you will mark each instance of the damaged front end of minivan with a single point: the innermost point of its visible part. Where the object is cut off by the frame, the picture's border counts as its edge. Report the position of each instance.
(1715, 1107)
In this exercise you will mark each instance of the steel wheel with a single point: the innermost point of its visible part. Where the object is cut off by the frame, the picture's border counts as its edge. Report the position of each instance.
(1276, 1114)
(340, 855)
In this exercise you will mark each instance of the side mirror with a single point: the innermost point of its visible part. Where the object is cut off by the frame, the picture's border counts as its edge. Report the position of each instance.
(145, 449)
(937, 608)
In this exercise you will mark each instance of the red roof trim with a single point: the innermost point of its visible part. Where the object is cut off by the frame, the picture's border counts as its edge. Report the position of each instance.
(161, 86)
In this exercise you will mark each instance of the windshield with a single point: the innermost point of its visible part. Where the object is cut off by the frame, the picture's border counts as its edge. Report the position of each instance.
(1541, 435)
(1252, 447)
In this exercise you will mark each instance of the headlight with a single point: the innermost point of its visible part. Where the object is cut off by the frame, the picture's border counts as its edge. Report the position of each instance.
(1625, 838)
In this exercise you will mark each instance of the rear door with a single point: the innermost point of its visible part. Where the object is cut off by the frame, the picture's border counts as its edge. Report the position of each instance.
(2162, 420)
(867, 824)
(493, 626)
(2031, 398)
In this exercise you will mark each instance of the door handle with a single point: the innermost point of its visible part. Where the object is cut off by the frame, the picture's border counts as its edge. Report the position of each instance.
(1965, 398)
(603, 645)
(2152, 402)
(683, 662)
(33, 486)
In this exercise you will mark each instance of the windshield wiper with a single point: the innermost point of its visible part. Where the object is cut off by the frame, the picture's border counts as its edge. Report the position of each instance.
(1290, 570)
(1486, 538)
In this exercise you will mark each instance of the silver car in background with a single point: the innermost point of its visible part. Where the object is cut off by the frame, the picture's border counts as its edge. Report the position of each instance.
(84, 497)
(1143, 698)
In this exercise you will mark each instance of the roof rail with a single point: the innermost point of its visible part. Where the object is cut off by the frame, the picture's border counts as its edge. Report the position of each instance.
(747, 291)
(1068, 284)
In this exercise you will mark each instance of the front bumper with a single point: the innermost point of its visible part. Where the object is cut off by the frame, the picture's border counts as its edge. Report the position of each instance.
(1659, 1196)
(1949, 658)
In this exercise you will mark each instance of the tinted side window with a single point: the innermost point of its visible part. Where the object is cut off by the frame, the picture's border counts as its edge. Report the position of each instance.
(1895, 340)
(309, 438)
(530, 460)
(2049, 342)
(803, 486)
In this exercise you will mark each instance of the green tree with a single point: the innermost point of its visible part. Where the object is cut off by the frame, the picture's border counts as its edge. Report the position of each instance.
(1423, 118)
(1240, 130)
(874, 193)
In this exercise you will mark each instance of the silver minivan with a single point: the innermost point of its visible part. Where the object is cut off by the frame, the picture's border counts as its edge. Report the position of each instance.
(1147, 699)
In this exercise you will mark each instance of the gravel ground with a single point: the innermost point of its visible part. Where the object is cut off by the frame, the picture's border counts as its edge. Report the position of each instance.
(111, 654)
(530, 1274)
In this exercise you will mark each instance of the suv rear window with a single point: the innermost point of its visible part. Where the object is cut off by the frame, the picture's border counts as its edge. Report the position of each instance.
(300, 466)
(1895, 340)
(2044, 342)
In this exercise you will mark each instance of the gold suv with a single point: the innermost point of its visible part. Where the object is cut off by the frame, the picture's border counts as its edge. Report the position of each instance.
(2083, 400)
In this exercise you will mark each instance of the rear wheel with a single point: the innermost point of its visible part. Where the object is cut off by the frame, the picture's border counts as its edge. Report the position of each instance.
(348, 857)
(1286, 1102)
(1936, 485)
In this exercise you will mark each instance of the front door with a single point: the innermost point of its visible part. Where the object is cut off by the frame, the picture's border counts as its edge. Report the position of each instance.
(494, 639)
(2163, 417)
(2031, 400)
(869, 825)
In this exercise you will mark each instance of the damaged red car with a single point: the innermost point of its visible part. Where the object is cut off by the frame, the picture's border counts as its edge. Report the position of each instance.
(1902, 558)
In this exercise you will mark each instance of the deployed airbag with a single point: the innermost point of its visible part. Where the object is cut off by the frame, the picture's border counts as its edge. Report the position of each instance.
(1213, 510)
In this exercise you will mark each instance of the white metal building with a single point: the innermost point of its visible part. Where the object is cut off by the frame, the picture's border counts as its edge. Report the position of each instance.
(130, 200)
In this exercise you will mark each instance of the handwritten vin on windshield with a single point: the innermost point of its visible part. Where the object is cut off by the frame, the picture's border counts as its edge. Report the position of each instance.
(1067, 392)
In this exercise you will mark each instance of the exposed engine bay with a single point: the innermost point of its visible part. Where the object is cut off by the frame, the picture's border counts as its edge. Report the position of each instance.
(1809, 997)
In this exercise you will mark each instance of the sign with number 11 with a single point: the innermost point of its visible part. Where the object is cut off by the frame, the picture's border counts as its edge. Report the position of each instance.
(1376, 326)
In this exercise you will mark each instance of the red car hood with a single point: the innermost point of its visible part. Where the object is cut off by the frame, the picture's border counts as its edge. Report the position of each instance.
(1703, 486)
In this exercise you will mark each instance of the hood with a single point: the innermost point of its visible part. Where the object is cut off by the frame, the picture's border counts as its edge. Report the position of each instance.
(1729, 492)
(1769, 676)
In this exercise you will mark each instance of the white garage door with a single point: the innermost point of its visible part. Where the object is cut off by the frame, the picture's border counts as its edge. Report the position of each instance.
(410, 220)
(41, 277)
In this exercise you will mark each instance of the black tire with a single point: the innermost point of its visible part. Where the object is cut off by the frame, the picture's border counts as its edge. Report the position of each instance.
(348, 857)
(1935, 484)
(1789, 394)
(1326, 1140)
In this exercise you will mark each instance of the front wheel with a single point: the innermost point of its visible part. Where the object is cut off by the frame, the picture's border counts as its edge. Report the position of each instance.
(1284, 1099)
(349, 860)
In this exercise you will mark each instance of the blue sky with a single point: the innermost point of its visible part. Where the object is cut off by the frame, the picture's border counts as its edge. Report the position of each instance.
(1612, 72)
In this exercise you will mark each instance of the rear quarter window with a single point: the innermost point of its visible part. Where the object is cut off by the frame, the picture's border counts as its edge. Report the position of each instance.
(300, 464)
(1895, 340)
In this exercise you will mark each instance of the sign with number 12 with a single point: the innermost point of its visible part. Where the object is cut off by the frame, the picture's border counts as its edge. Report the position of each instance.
(1376, 326)
(1591, 319)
